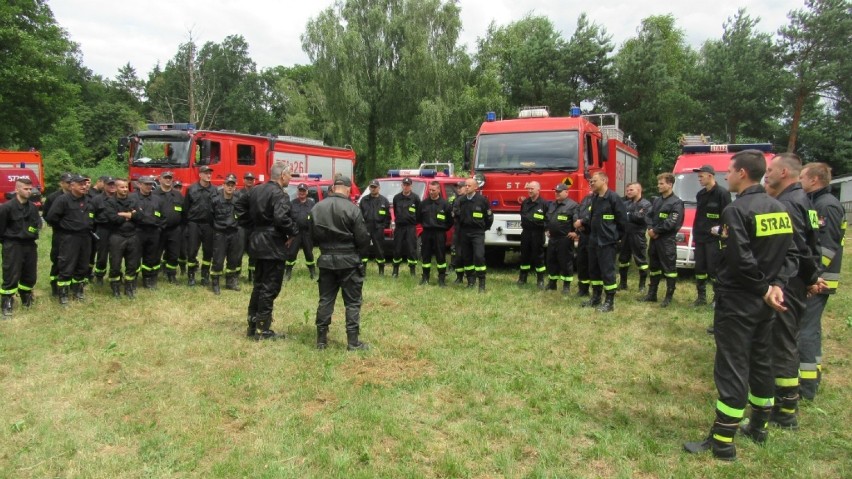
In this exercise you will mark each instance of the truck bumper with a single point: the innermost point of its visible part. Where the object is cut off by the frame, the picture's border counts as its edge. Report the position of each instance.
(505, 231)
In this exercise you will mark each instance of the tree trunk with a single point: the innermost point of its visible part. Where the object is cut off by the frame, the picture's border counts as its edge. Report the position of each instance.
(797, 117)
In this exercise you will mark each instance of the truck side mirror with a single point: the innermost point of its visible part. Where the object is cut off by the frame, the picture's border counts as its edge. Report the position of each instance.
(204, 159)
(466, 163)
(121, 149)
(603, 151)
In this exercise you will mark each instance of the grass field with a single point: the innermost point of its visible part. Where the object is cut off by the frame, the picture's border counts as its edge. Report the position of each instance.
(513, 383)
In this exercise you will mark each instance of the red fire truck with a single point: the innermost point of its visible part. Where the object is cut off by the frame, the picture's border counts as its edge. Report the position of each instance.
(180, 148)
(17, 164)
(697, 151)
(506, 154)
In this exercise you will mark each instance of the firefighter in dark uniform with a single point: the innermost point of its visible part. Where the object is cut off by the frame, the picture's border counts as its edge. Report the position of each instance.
(559, 221)
(149, 222)
(72, 222)
(405, 205)
(183, 238)
(171, 237)
(758, 257)
(474, 219)
(227, 243)
(19, 227)
(248, 184)
(533, 209)
(710, 200)
(376, 211)
(665, 221)
(606, 227)
(269, 219)
(436, 217)
(123, 212)
(458, 259)
(301, 210)
(634, 245)
(100, 248)
(198, 217)
(339, 230)
(581, 258)
(47, 204)
(831, 219)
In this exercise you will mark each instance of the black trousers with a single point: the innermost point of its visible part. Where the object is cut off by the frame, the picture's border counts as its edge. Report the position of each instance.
(633, 246)
(377, 243)
(473, 252)
(458, 259)
(707, 257)
(73, 258)
(124, 249)
(405, 244)
(743, 369)
(54, 254)
(198, 236)
(581, 260)
(100, 250)
(560, 259)
(227, 245)
(301, 242)
(20, 266)
(268, 278)
(810, 345)
(663, 256)
(433, 244)
(170, 244)
(349, 282)
(244, 235)
(785, 334)
(149, 249)
(532, 250)
(602, 266)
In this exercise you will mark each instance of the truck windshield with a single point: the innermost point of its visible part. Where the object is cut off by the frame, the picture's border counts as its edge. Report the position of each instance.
(686, 185)
(389, 188)
(528, 151)
(166, 152)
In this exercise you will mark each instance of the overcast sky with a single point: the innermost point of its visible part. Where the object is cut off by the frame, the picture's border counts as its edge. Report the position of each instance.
(111, 33)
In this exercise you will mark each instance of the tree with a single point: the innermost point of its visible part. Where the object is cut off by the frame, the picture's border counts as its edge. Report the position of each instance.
(586, 61)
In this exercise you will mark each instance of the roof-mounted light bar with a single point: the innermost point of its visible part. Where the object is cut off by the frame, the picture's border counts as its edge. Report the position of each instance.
(424, 173)
(171, 126)
(310, 176)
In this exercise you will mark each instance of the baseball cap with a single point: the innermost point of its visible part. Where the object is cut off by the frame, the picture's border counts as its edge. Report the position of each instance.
(705, 169)
(461, 183)
(231, 178)
(65, 177)
(205, 169)
(108, 180)
(374, 183)
(248, 176)
(303, 186)
(406, 181)
(167, 174)
(561, 187)
(77, 179)
(178, 184)
(103, 178)
(147, 180)
(342, 180)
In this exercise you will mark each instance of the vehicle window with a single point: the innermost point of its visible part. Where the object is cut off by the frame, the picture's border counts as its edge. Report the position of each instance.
(215, 154)
(245, 155)
(686, 185)
(528, 150)
(161, 152)
(390, 187)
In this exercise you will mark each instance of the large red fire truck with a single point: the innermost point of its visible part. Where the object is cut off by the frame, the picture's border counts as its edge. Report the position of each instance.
(506, 154)
(18, 164)
(180, 148)
(697, 151)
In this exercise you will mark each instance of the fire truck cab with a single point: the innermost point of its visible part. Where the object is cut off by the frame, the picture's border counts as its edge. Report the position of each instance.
(17, 164)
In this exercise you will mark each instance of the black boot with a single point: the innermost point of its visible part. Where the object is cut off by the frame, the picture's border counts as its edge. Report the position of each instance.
(552, 285)
(182, 267)
(623, 273)
(482, 284)
(205, 275)
(288, 272)
(116, 289)
(190, 278)
(471, 281)
(54, 289)
(26, 298)
(381, 269)
(595, 300)
(459, 277)
(62, 292)
(424, 280)
(566, 287)
(354, 344)
(214, 285)
(720, 441)
(522, 277)
(786, 410)
(154, 280)
(250, 277)
(442, 279)
(130, 288)
(583, 289)
(670, 289)
(251, 330)
(266, 333)
(651, 297)
(643, 275)
(99, 280)
(171, 277)
(412, 269)
(539, 280)
(78, 292)
(395, 273)
(322, 337)
(146, 282)
(232, 281)
(755, 428)
(7, 301)
(312, 270)
(609, 303)
(701, 288)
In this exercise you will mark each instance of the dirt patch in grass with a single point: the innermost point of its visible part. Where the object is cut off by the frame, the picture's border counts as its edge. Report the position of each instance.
(386, 371)
(318, 404)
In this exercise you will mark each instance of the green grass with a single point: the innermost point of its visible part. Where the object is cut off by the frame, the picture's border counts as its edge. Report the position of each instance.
(514, 383)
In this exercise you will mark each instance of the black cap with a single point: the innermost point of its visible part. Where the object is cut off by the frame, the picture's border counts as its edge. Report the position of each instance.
(77, 179)
(248, 176)
(705, 169)
(167, 174)
(205, 169)
(108, 180)
(65, 177)
(103, 178)
(343, 180)
(231, 178)
(561, 187)
(374, 183)
(303, 186)
(461, 183)
(148, 180)
(406, 181)
(178, 184)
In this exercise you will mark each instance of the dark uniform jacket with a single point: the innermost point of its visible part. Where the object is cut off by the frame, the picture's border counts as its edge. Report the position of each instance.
(98, 207)
(606, 219)
(224, 214)
(70, 214)
(805, 231)
(197, 204)
(831, 219)
(301, 212)
(149, 214)
(637, 215)
(48, 202)
(405, 209)
(666, 215)
(757, 237)
(560, 217)
(19, 222)
(532, 213)
(338, 228)
(269, 218)
(474, 213)
(376, 211)
(435, 214)
(115, 205)
(708, 212)
(171, 206)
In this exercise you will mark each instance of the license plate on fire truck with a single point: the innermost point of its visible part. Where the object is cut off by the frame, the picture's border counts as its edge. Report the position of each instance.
(513, 225)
